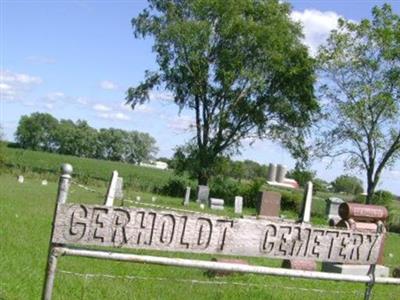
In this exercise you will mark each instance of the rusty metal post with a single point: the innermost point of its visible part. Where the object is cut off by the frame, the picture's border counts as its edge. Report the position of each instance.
(62, 195)
(371, 272)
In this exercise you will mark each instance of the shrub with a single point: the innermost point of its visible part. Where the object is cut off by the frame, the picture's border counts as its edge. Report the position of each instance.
(224, 188)
(291, 200)
(250, 192)
(176, 187)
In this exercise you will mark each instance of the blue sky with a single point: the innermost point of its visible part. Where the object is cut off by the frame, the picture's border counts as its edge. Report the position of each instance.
(75, 60)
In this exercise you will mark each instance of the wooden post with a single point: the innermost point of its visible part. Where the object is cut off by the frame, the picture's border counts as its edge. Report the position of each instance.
(62, 195)
(371, 273)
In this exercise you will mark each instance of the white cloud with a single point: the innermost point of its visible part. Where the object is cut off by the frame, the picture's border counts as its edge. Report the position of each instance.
(101, 107)
(49, 106)
(119, 116)
(181, 124)
(82, 100)
(14, 85)
(316, 26)
(54, 97)
(108, 85)
(40, 60)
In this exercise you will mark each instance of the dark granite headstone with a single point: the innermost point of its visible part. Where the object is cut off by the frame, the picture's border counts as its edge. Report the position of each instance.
(269, 204)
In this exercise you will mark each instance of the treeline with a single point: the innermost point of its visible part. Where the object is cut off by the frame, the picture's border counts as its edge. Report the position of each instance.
(43, 132)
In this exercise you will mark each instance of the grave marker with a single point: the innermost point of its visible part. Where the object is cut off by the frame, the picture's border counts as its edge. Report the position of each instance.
(217, 204)
(238, 205)
(187, 196)
(109, 201)
(269, 204)
(20, 179)
(119, 193)
(307, 203)
(332, 210)
(203, 194)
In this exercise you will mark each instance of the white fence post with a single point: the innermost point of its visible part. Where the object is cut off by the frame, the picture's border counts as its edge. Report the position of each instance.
(62, 195)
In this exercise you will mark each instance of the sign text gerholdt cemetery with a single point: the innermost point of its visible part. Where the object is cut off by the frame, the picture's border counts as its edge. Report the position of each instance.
(187, 232)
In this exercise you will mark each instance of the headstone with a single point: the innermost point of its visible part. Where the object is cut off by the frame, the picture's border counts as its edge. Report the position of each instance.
(138, 198)
(153, 198)
(332, 210)
(44, 182)
(203, 194)
(307, 203)
(305, 217)
(119, 193)
(187, 196)
(363, 212)
(269, 204)
(217, 204)
(21, 179)
(300, 264)
(109, 201)
(280, 173)
(271, 172)
(238, 204)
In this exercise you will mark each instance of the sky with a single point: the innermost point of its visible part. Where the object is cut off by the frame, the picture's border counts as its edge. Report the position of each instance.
(75, 60)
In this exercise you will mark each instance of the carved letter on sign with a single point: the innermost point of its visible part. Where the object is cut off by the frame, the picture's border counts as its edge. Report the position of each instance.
(189, 232)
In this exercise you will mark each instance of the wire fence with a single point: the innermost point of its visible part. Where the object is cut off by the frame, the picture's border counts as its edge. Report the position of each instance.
(217, 282)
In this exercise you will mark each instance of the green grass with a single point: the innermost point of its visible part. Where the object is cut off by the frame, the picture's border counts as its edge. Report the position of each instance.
(25, 223)
(86, 169)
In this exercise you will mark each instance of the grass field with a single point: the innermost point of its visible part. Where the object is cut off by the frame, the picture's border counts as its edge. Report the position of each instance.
(26, 214)
(86, 170)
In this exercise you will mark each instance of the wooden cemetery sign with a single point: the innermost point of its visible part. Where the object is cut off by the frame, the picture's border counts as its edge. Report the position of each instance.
(189, 232)
(139, 228)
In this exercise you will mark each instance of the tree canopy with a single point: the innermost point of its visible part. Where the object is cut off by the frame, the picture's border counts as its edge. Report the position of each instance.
(41, 131)
(238, 65)
(360, 72)
(347, 184)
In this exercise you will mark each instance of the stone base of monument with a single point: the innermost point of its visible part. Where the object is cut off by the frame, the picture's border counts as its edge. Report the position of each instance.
(213, 273)
(217, 204)
(380, 271)
(299, 264)
(396, 272)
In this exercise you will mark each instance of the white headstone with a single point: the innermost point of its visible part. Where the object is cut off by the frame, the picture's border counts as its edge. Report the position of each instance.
(153, 198)
(119, 193)
(109, 201)
(187, 196)
(44, 182)
(238, 204)
(137, 198)
(307, 203)
(21, 179)
(332, 210)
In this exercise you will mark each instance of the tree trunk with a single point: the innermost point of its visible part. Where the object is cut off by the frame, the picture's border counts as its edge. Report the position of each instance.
(202, 178)
(370, 191)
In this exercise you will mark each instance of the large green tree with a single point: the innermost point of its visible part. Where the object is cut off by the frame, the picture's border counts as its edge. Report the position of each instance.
(37, 132)
(238, 65)
(360, 69)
